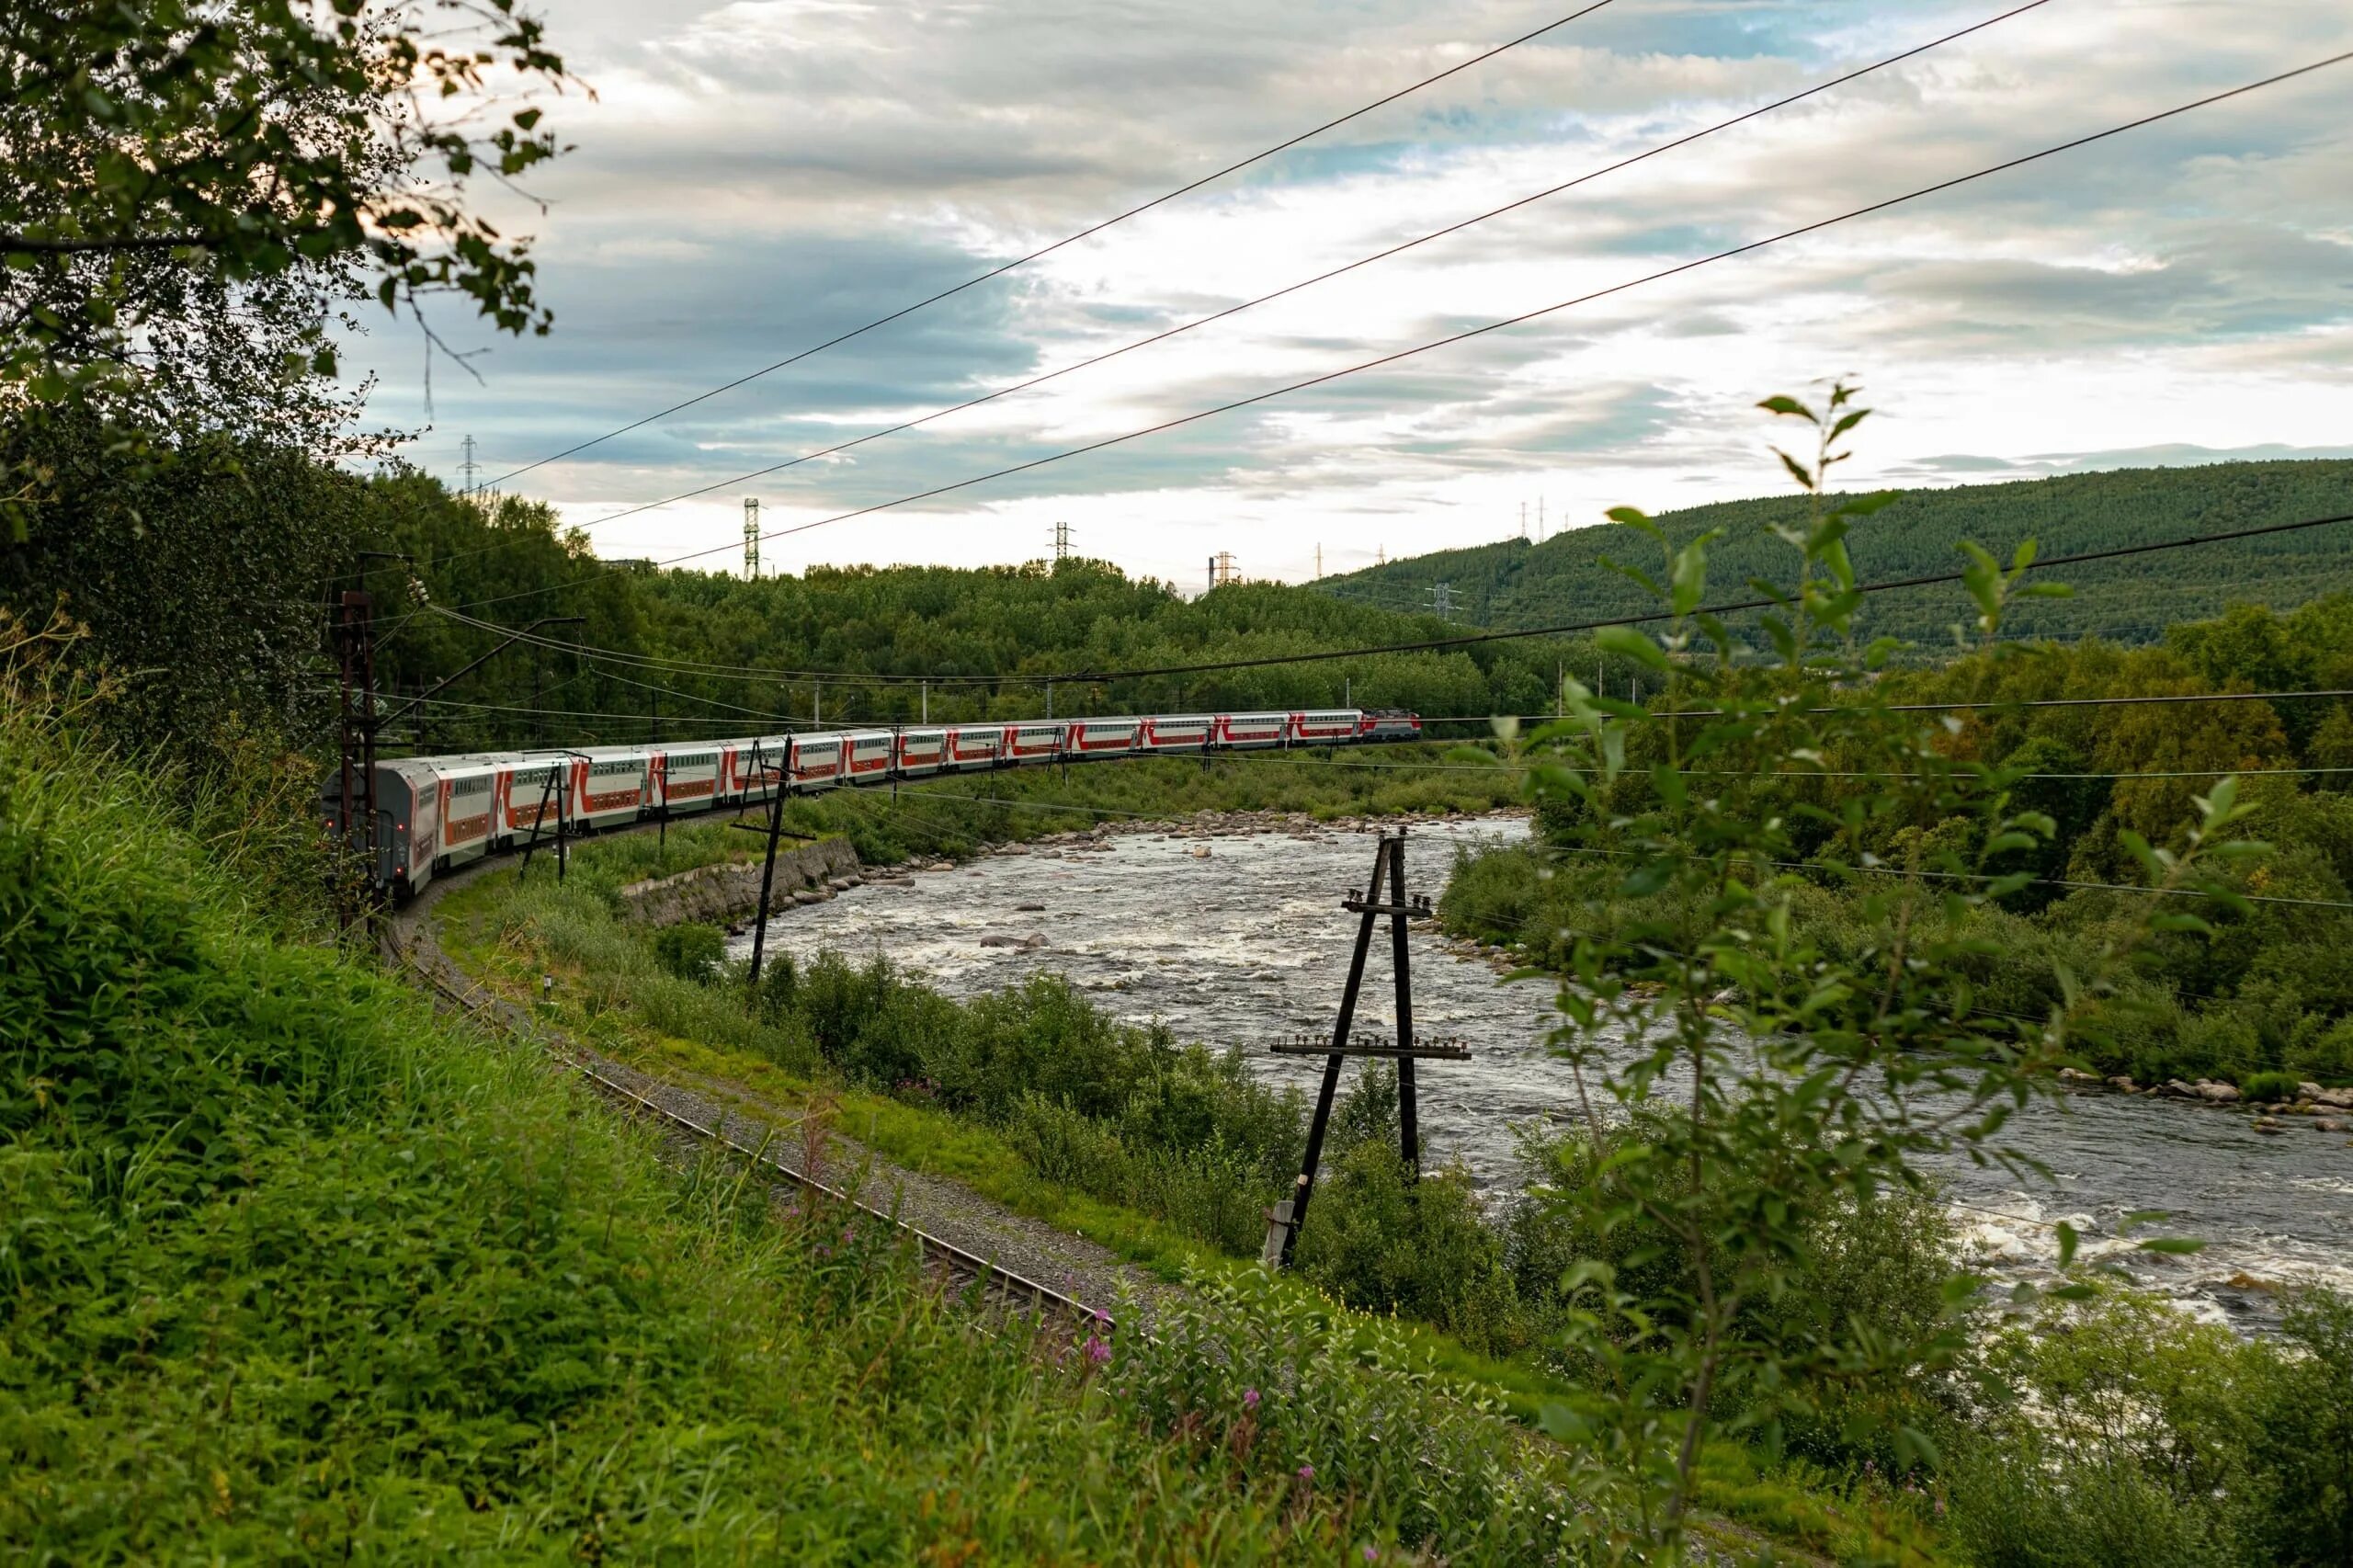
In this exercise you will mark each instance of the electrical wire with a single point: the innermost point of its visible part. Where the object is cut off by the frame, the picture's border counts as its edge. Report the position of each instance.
(1973, 877)
(1499, 767)
(1089, 231)
(1933, 579)
(1439, 644)
(1293, 288)
(1500, 325)
(1996, 704)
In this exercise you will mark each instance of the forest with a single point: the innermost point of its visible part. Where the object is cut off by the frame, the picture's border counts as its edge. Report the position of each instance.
(1568, 579)
(238, 615)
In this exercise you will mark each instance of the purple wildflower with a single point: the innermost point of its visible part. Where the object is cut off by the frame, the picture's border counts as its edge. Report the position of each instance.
(1307, 1473)
(1250, 1399)
(1098, 1350)
(1371, 1553)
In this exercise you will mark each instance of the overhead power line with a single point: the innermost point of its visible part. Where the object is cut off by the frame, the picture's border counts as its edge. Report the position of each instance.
(1434, 644)
(1425, 645)
(1500, 325)
(1975, 877)
(1045, 251)
(1309, 283)
(1988, 705)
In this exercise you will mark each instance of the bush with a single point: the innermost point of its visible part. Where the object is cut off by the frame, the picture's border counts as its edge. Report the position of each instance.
(691, 951)
(2328, 1057)
(1382, 1241)
(2269, 1086)
(2124, 1432)
(1873, 1272)
(1243, 1366)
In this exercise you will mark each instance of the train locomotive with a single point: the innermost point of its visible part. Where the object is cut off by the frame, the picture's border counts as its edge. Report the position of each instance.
(435, 812)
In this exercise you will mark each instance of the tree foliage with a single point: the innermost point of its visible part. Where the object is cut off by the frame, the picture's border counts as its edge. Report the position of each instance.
(1750, 1084)
(191, 191)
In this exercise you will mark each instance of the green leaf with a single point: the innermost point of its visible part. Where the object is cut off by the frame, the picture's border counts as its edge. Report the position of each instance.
(1798, 470)
(1689, 577)
(1630, 643)
(1787, 406)
(2173, 1246)
(2067, 1242)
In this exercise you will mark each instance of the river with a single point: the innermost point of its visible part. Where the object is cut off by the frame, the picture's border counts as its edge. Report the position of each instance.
(1240, 938)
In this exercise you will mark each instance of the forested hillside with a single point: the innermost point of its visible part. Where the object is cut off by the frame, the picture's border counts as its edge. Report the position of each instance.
(221, 630)
(1566, 579)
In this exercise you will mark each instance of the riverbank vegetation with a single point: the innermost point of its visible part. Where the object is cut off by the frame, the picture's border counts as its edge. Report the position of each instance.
(1036, 1098)
(2263, 993)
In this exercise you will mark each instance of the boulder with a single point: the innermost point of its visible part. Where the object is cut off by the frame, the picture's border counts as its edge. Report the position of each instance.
(2124, 1081)
(1028, 909)
(2329, 1124)
(2218, 1094)
(999, 940)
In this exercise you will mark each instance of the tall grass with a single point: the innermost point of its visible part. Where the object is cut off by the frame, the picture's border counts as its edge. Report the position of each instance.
(291, 1269)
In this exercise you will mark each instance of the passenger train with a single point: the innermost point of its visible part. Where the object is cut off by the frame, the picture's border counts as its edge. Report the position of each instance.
(435, 812)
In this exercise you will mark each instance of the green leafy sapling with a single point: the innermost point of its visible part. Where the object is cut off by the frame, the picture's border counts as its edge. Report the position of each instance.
(1743, 1084)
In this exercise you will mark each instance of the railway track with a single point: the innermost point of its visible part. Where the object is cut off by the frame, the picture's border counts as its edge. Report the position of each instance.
(945, 1259)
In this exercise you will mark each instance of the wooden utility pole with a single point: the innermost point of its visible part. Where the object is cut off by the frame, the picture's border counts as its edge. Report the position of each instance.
(1285, 1220)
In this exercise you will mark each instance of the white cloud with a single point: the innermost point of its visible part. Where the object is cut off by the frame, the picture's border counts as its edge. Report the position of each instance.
(760, 175)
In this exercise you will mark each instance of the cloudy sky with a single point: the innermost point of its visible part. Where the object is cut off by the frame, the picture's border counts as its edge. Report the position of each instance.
(757, 176)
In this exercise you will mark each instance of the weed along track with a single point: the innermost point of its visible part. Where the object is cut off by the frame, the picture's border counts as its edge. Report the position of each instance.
(408, 943)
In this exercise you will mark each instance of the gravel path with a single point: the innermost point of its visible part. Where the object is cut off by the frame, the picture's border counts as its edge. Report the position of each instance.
(1060, 1259)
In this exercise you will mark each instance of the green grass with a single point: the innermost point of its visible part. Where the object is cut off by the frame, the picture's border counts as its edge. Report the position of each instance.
(292, 1270)
(611, 991)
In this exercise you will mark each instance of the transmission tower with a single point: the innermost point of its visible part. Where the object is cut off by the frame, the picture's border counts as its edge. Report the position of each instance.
(751, 538)
(1319, 560)
(1222, 571)
(1442, 600)
(468, 467)
(1061, 541)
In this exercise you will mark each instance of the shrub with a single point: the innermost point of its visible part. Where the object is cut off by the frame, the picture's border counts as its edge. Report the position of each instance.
(1247, 1368)
(2268, 1086)
(1380, 1241)
(2123, 1432)
(2328, 1057)
(691, 951)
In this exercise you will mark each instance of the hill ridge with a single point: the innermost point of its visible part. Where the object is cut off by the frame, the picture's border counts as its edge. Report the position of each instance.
(1513, 585)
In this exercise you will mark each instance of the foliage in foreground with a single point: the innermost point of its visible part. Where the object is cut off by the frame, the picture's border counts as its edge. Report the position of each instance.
(289, 1270)
(1741, 1085)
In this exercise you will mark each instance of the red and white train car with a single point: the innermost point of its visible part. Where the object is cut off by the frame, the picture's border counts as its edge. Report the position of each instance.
(435, 812)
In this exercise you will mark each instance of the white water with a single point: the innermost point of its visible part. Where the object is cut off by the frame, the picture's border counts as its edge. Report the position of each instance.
(1249, 945)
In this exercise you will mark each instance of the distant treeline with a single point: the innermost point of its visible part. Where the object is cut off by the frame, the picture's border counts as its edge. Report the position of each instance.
(210, 588)
(1515, 585)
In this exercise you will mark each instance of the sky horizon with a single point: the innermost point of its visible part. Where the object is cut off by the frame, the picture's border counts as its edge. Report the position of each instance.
(756, 176)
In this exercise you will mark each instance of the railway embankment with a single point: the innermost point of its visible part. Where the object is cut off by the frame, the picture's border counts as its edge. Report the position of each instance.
(743, 1115)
